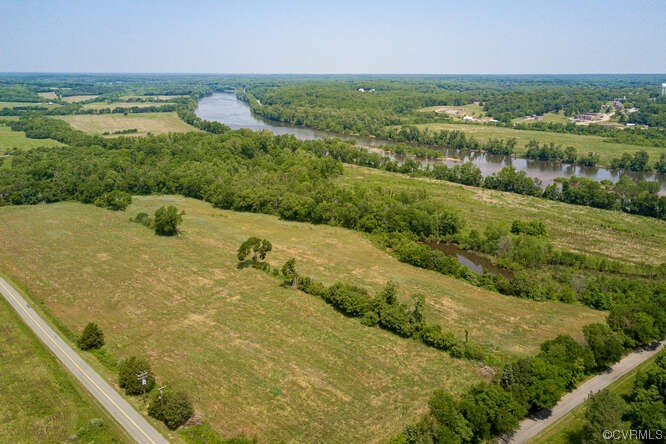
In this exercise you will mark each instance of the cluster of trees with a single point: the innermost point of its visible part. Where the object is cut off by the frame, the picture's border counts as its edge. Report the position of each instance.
(634, 295)
(641, 411)
(165, 221)
(135, 377)
(77, 108)
(383, 310)
(550, 152)
(173, 408)
(637, 161)
(529, 385)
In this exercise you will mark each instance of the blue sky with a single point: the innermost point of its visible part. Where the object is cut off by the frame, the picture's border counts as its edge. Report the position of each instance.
(439, 37)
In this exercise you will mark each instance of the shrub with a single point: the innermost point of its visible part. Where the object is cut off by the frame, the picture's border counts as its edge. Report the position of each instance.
(532, 228)
(173, 409)
(92, 337)
(349, 299)
(167, 220)
(143, 219)
(115, 200)
(128, 380)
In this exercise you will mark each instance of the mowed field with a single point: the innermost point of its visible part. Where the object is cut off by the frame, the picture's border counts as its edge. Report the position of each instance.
(40, 401)
(16, 139)
(583, 144)
(155, 123)
(612, 234)
(257, 358)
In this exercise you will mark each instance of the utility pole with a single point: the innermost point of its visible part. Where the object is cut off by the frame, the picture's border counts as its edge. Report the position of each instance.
(161, 395)
(143, 377)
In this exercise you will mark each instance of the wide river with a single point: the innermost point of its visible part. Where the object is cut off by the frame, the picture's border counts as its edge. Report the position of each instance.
(227, 109)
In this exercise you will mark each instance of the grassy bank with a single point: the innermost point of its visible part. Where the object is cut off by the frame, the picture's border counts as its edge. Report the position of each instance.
(611, 234)
(584, 144)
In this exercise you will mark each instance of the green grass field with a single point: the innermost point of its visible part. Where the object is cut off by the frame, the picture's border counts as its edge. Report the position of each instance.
(573, 422)
(558, 117)
(41, 403)
(155, 123)
(611, 234)
(257, 358)
(583, 144)
(16, 139)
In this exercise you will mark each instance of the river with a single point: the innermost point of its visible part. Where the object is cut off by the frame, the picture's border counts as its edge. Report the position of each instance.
(227, 109)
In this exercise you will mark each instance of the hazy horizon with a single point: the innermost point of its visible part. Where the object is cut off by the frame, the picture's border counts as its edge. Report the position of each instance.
(355, 38)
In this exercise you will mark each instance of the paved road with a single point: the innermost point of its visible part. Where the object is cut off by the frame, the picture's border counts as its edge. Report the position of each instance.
(530, 427)
(135, 424)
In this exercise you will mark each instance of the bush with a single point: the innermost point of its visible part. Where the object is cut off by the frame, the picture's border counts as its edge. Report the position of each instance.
(115, 200)
(167, 220)
(350, 300)
(128, 380)
(173, 409)
(532, 228)
(433, 336)
(143, 219)
(92, 337)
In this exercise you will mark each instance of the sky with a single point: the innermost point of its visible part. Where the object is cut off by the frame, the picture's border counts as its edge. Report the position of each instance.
(392, 37)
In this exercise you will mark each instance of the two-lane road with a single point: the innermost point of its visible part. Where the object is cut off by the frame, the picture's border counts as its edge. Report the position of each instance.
(531, 427)
(136, 425)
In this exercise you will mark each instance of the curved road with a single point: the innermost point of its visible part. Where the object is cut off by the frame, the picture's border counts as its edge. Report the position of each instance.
(530, 427)
(129, 419)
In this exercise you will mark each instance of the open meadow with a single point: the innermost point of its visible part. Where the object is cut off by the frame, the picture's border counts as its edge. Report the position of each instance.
(41, 403)
(16, 139)
(612, 234)
(144, 123)
(582, 143)
(258, 358)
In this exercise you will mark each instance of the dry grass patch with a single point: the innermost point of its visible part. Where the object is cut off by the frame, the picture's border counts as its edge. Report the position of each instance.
(76, 99)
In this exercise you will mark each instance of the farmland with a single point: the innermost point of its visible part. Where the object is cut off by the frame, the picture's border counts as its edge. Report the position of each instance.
(155, 123)
(266, 348)
(41, 402)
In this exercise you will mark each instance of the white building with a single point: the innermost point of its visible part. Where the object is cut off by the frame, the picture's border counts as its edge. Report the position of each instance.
(663, 89)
